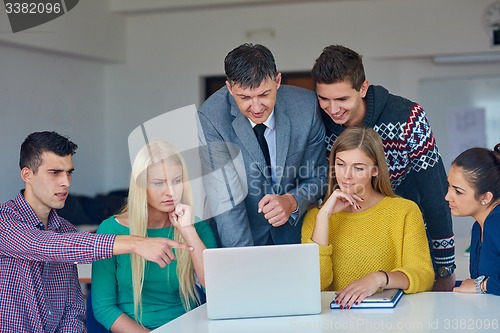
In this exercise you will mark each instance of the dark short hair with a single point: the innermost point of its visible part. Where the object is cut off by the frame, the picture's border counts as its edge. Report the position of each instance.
(249, 65)
(39, 142)
(481, 168)
(337, 64)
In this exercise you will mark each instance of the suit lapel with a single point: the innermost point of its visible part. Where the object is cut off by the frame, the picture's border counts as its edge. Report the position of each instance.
(244, 131)
(283, 128)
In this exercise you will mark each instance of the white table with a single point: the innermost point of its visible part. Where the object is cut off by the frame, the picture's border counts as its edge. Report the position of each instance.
(424, 312)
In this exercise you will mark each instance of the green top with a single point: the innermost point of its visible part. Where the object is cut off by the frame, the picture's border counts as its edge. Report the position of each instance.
(112, 281)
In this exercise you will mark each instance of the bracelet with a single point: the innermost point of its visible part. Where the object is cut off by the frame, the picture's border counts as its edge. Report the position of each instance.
(482, 286)
(386, 278)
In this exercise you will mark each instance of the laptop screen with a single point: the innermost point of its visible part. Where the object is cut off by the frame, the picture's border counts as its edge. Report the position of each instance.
(262, 281)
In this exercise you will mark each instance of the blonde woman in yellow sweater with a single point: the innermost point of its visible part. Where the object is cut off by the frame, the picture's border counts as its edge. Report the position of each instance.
(369, 238)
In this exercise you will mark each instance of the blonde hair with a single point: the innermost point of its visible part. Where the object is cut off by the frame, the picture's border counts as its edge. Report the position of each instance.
(371, 144)
(137, 208)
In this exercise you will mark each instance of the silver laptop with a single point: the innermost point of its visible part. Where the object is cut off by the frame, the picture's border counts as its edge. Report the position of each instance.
(262, 281)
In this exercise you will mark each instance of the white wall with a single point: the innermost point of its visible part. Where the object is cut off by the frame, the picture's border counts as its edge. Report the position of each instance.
(442, 94)
(52, 78)
(40, 91)
(88, 30)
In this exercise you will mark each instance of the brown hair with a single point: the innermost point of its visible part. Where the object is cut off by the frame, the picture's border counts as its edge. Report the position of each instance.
(371, 144)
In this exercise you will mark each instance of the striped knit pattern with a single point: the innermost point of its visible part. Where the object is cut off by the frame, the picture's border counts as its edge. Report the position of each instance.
(397, 138)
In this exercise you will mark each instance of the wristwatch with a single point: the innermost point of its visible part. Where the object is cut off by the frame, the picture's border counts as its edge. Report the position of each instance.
(446, 271)
(477, 282)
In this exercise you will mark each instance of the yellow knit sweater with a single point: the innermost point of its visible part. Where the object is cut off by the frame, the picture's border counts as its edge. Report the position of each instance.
(389, 236)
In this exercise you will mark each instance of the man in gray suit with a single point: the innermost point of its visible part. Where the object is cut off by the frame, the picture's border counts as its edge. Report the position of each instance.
(262, 150)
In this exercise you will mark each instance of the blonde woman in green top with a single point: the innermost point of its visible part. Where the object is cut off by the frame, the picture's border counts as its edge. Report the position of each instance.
(130, 294)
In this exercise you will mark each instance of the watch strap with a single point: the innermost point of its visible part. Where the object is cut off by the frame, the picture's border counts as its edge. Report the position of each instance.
(446, 271)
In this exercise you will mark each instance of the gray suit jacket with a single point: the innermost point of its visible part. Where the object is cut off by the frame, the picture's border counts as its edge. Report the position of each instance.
(235, 178)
